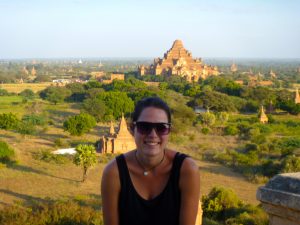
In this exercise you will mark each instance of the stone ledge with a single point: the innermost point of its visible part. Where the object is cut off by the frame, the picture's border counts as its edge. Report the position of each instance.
(280, 198)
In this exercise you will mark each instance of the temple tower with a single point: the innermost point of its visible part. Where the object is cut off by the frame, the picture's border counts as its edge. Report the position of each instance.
(233, 67)
(297, 97)
(263, 117)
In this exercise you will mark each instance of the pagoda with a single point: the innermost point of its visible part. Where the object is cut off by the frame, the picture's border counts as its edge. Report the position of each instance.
(263, 117)
(119, 142)
(233, 67)
(272, 74)
(178, 61)
(297, 97)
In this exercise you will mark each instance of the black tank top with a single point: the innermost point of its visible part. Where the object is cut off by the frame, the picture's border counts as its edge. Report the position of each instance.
(161, 210)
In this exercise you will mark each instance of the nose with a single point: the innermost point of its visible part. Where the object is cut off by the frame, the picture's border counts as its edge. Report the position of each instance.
(153, 133)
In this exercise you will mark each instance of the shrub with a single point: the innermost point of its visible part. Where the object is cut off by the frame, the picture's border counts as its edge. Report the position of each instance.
(291, 164)
(35, 119)
(8, 121)
(79, 124)
(223, 205)
(59, 142)
(205, 130)
(58, 213)
(47, 156)
(231, 130)
(6, 152)
(26, 128)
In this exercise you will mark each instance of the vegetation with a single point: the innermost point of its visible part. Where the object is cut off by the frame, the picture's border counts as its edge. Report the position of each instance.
(79, 124)
(6, 152)
(85, 157)
(223, 206)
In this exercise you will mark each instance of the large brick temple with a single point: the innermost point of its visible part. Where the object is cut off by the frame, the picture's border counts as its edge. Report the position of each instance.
(178, 61)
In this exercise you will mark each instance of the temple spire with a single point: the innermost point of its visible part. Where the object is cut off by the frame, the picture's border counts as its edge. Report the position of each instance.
(111, 129)
(297, 97)
(263, 117)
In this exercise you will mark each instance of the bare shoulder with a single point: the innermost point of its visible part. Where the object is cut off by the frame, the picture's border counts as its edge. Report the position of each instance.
(189, 174)
(111, 168)
(189, 166)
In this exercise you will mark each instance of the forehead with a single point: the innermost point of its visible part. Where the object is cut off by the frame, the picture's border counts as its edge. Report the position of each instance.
(152, 114)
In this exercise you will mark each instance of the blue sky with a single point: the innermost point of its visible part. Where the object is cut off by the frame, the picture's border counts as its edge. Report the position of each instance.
(139, 28)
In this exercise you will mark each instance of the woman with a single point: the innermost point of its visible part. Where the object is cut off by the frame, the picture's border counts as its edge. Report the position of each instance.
(152, 184)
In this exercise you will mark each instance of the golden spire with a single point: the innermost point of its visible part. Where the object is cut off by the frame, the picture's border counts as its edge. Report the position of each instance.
(297, 97)
(263, 117)
(112, 129)
(123, 131)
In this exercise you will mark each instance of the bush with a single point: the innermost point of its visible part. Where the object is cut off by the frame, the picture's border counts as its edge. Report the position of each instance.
(205, 130)
(58, 213)
(231, 130)
(47, 156)
(59, 142)
(6, 152)
(79, 124)
(26, 128)
(35, 119)
(223, 205)
(291, 164)
(8, 121)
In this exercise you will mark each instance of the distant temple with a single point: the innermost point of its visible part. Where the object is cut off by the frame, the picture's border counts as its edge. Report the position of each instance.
(178, 61)
(272, 74)
(233, 68)
(263, 117)
(33, 71)
(297, 97)
(120, 142)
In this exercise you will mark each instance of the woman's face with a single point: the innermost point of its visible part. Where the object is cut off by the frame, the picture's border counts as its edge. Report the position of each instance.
(151, 144)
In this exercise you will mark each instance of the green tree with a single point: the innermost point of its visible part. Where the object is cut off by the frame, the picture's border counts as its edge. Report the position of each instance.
(94, 107)
(6, 152)
(27, 94)
(116, 103)
(8, 121)
(55, 94)
(85, 157)
(208, 119)
(79, 124)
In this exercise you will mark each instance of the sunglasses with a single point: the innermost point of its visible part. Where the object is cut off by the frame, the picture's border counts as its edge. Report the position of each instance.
(145, 128)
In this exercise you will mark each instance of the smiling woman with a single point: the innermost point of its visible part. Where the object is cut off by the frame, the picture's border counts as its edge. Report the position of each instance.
(152, 184)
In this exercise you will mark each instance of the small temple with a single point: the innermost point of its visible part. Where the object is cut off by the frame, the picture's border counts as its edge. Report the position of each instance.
(234, 68)
(178, 61)
(272, 74)
(297, 97)
(263, 117)
(119, 142)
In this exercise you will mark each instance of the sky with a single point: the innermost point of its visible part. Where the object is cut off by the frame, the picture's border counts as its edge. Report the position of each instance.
(142, 28)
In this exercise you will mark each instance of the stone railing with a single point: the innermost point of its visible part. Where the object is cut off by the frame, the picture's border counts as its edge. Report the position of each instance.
(280, 198)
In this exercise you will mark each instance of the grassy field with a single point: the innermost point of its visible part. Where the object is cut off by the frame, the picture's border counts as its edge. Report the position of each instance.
(17, 88)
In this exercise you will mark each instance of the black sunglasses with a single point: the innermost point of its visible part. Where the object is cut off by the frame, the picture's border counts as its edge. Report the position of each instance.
(145, 128)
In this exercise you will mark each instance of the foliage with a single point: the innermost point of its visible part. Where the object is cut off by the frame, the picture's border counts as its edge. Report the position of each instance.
(34, 119)
(3, 92)
(6, 152)
(85, 157)
(58, 213)
(221, 84)
(55, 94)
(27, 94)
(291, 164)
(48, 156)
(26, 128)
(214, 101)
(79, 124)
(231, 130)
(223, 205)
(116, 103)
(8, 121)
(77, 92)
(208, 119)
(94, 107)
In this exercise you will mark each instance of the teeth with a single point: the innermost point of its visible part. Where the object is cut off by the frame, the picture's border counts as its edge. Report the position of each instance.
(151, 143)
